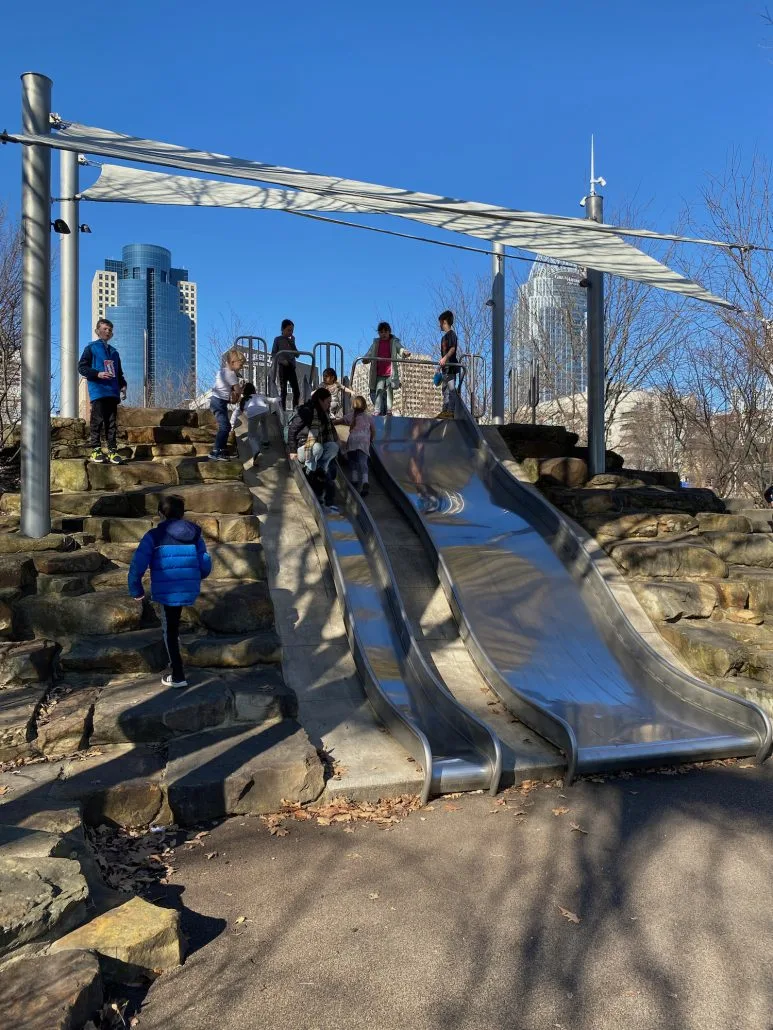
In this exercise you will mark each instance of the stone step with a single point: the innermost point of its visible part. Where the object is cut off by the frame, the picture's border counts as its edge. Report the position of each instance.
(227, 498)
(712, 522)
(19, 707)
(232, 607)
(167, 434)
(51, 992)
(262, 648)
(140, 651)
(241, 770)
(720, 649)
(238, 561)
(120, 784)
(753, 690)
(130, 417)
(678, 559)
(130, 476)
(143, 711)
(759, 583)
(202, 470)
(41, 897)
(754, 549)
(94, 614)
(226, 528)
(28, 661)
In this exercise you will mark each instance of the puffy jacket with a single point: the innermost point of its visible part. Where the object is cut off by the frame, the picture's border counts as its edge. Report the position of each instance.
(92, 362)
(308, 419)
(177, 556)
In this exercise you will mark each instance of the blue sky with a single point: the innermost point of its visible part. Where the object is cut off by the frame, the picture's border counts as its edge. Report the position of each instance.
(493, 102)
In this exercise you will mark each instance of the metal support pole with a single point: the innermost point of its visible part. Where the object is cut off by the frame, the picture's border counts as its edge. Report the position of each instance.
(36, 310)
(498, 334)
(594, 209)
(68, 284)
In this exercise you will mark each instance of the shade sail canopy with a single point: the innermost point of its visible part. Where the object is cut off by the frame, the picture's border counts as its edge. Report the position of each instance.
(575, 240)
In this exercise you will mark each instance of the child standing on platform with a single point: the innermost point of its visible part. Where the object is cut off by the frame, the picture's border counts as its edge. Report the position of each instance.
(227, 390)
(362, 433)
(449, 369)
(100, 365)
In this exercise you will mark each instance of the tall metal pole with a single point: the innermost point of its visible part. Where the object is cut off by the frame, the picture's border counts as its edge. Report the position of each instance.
(68, 283)
(36, 310)
(498, 334)
(594, 210)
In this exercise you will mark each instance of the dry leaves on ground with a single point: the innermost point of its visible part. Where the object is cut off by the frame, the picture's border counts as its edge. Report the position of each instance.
(560, 811)
(578, 828)
(132, 860)
(343, 812)
(571, 916)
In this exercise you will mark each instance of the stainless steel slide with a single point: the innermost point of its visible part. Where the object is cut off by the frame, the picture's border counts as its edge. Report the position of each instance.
(456, 751)
(558, 650)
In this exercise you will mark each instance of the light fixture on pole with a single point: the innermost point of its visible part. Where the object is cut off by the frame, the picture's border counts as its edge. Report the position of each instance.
(59, 225)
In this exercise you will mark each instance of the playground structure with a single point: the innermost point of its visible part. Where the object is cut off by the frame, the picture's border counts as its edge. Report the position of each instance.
(541, 623)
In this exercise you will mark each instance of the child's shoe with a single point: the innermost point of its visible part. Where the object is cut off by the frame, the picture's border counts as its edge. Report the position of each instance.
(167, 681)
(98, 457)
(114, 458)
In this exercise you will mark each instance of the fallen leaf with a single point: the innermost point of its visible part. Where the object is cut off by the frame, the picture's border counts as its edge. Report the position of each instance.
(374, 895)
(278, 831)
(571, 916)
(240, 920)
(451, 808)
(211, 854)
(3, 789)
(578, 828)
(560, 811)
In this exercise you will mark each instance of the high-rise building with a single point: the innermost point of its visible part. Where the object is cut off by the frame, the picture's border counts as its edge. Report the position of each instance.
(550, 324)
(153, 310)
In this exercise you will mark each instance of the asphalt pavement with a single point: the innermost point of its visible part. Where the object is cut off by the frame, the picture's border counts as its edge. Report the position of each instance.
(639, 902)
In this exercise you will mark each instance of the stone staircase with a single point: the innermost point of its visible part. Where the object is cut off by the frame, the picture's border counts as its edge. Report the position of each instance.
(81, 701)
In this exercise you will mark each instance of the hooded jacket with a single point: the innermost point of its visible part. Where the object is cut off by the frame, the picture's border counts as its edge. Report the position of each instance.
(309, 419)
(177, 557)
(396, 351)
(92, 362)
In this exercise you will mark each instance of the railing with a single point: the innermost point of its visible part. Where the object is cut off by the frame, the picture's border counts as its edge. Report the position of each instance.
(306, 387)
(334, 357)
(261, 365)
(477, 413)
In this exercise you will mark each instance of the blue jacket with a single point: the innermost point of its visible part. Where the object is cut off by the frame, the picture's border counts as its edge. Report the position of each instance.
(92, 362)
(178, 560)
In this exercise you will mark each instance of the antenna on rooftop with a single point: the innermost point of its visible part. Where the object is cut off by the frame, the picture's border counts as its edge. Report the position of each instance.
(595, 180)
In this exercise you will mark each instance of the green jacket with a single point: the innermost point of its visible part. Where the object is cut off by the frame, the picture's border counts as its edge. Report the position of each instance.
(398, 351)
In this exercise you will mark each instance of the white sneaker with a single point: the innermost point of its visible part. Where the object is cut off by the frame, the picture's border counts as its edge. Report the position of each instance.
(167, 681)
(331, 509)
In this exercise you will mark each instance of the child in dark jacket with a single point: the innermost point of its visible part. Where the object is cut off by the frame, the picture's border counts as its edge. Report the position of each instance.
(177, 557)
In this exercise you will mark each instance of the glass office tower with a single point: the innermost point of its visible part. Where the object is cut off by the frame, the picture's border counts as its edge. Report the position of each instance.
(154, 323)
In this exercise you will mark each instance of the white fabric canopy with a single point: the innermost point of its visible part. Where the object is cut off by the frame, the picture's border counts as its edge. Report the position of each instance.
(575, 240)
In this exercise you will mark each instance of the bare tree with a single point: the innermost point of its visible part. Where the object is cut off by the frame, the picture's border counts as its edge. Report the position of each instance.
(10, 328)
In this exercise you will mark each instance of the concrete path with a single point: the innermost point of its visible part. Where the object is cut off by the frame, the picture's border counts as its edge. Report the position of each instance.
(453, 919)
(317, 661)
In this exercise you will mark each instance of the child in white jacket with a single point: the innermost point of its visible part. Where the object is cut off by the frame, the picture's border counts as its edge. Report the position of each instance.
(254, 406)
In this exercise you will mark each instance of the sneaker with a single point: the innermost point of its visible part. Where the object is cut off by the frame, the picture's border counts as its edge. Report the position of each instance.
(364, 490)
(445, 414)
(167, 681)
(98, 457)
(213, 455)
(331, 509)
(113, 458)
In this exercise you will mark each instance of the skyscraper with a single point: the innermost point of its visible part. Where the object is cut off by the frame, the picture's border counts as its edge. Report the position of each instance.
(550, 324)
(153, 310)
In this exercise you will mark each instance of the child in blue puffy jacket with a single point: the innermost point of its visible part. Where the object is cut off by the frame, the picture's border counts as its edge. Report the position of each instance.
(177, 557)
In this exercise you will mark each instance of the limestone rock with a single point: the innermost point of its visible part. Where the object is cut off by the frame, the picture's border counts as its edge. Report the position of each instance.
(19, 842)
(744, 616)
(29, 661)
(52, 992)
(67, 563)
(134, 938)
(91, 615)
(39, 896)
(714, 522)
(122, 553)
(232, 607)
(732, 593)
(238, 561)
(210, 525)
(140, 652)
(155, 435)
(676, 522)
(708, 649)
(239, 529)
(189, 470)
(674, 599)
(116, 579)
(17, 574)
(68, 475)
(118, 530)
(6, 619)
(570, 472)
(64, 586)
(127, 477)
(65, 727)
(263, 696)
(13, 543)
(210, 499)
(610, 481)
(680, 559)
(742, 548)
(233, 652)
(130, 417)
(109, 505)
(607, 528)
(759, 583)
(116, 784)
(237, 771)
(67, 430)
(143, 711)
(18, 708)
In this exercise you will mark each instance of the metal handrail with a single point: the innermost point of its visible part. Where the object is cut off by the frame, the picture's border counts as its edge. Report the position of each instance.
(262, 356)
(474, 382)
(294, 354)
(330, 345)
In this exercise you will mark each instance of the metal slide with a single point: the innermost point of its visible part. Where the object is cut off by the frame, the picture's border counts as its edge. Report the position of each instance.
(456, 751)
(558, 650)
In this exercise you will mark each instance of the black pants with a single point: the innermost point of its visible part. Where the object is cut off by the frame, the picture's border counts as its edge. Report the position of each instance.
(170, 622)
(104, 411)
(288, 374)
